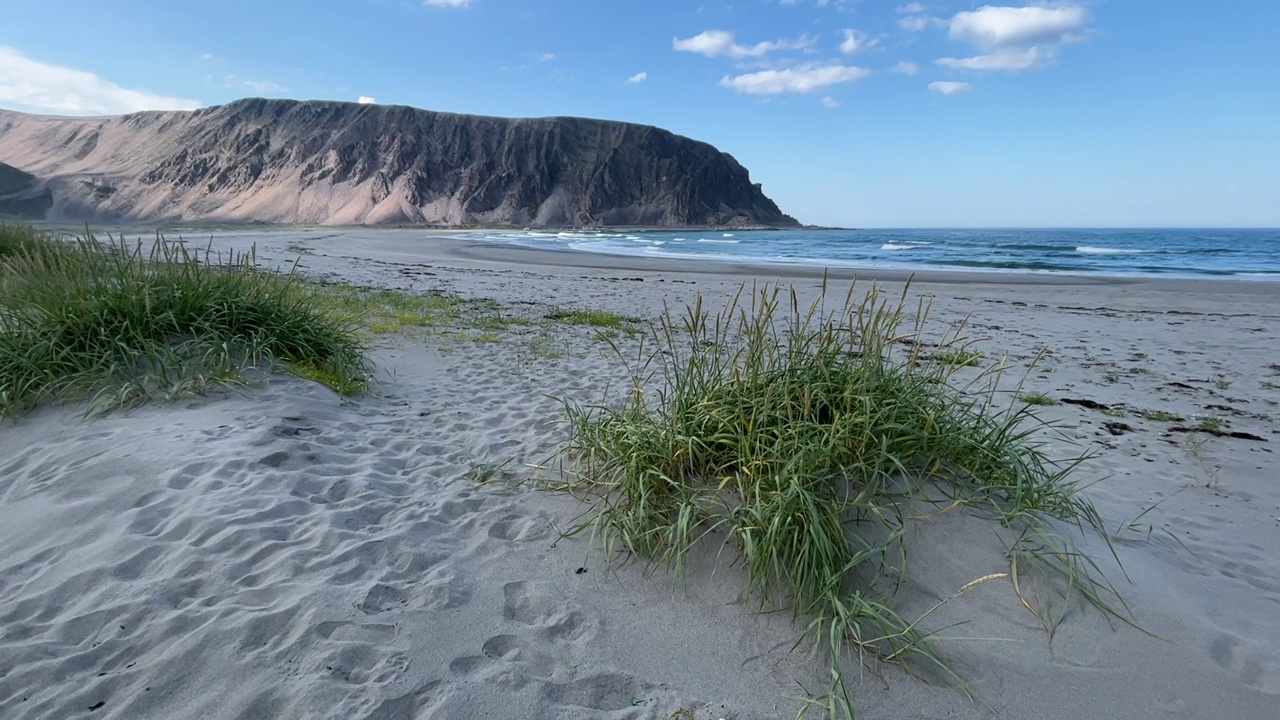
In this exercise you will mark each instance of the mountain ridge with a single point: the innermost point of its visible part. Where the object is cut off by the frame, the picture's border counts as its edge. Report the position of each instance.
(326, 162)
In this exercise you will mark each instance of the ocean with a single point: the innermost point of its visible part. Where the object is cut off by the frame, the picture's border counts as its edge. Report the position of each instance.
(1244, 254)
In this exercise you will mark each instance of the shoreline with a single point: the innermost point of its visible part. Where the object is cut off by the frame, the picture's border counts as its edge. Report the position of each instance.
(492, 252)
(485, 250)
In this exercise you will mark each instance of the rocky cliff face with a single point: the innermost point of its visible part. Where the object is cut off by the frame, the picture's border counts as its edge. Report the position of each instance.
(284, 161)
(22, 195)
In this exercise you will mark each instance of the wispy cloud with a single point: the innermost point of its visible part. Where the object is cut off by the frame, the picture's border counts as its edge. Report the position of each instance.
(721, 43)
(35, 86)
(449, 3)
(545, 57)
(911, 8)
(264, 86)
(914, 23)
(950, 88)
(855, 41)
(830, 102)
(638, 78)
(366, 100)
(799, 79)
(206, 56)
(1015, 38)
(905, 68)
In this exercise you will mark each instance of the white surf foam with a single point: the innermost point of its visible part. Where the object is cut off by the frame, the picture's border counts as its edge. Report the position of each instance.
(1092, 250)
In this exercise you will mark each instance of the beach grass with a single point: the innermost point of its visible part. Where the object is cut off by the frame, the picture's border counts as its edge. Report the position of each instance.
(382, 311)
(1037, 398)
(591, 317)
(121, 323)
(959, 357)
(16, 240)
(1210, 424)
(804, 440)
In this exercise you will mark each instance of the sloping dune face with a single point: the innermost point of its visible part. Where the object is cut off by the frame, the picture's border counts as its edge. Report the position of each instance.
(285, 161)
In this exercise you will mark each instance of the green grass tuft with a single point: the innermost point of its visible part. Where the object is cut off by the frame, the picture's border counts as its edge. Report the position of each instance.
(1037, 398)
(382, 311)
(961, 357)
(593, 318)
(1211, 424)
(1159, 415)
(802, 437)
(546, 347)
(121, 324)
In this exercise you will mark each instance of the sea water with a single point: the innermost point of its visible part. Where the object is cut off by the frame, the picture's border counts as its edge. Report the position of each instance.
(1244, 254)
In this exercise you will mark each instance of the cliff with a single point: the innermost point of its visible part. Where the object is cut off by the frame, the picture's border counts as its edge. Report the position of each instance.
(286, 161)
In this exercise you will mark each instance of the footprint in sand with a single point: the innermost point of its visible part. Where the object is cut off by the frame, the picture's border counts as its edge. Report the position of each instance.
(408, 705)
(605, 692)
(504, 653)
(1231, 654)
(533, 605)
(519, 528)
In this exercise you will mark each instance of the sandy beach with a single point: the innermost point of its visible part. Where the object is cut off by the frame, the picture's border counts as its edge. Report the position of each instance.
(279, 551)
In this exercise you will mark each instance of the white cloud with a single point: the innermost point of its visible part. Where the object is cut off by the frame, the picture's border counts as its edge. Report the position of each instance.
(830, 102)
(366, 100)
(721, 43)
(911, 8)
(915, 23)
(638, 78)
(856, 41)
(1003, 59)
(449, 3)
(1015, 38)
(799, 79)
(206, 56)
(950, 88)
(27, 84)
(545, 56)
(265, 86)
(905, 68)
(997, 27)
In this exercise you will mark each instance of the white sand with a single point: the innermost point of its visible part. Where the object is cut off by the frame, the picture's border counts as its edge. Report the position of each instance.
(280, 552)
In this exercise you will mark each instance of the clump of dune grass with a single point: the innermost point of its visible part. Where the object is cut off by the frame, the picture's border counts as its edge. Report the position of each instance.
(1037, 398)
(805, 439)
(1210, 424)
(591, 317)
(18, 240)
(120, 323)
(957, 357)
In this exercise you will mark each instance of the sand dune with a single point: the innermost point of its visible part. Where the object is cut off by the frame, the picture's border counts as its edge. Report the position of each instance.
(280, 552)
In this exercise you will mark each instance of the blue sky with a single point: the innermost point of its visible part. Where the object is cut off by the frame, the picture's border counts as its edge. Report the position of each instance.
(859, 113)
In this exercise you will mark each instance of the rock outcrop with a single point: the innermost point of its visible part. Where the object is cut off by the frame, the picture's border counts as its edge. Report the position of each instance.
(285, 161)
(22, 196)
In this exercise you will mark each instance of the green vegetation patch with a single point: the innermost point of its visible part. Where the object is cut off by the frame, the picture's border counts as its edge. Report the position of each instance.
(1037, 398)
(123, 323)
(1211, 424)
(593, 318)
(804, 440)
(384, 311)
(959, 357)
